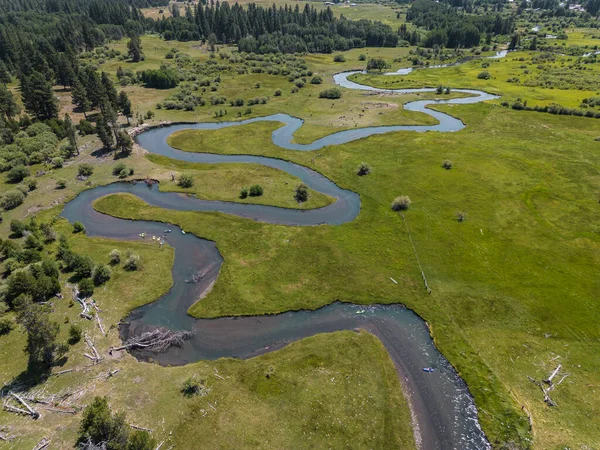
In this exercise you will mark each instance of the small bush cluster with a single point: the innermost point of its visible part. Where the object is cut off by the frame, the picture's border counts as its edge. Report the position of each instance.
(333, 93)
(401, 203)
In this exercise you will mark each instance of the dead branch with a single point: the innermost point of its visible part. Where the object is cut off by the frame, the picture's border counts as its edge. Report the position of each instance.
(157, 340)
(547, 398)
(63, 411)
(552, 375)
(137, 427)
(100, 323)
(44, 443)
(63, 372)
(32, 412)
(212, 407)
(159, 445)
(96, 356)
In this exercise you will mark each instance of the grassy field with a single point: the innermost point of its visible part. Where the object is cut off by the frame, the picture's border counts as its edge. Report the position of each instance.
(521, 267)
(519, 65)
(513, 285)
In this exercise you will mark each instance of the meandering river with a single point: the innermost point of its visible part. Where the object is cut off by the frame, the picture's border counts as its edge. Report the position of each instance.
(444, 414)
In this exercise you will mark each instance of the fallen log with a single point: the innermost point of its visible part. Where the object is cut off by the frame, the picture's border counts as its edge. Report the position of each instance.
(63, 411)
(137, 427)
(552, 375)
(157, 340)
(44, 443)
(32, 411)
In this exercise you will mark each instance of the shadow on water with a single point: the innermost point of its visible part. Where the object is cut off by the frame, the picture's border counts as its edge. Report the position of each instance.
(444, 411)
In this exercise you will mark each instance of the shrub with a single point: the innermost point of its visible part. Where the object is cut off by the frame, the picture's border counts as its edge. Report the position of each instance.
(461, 216)
(115, 256)
(401, 203)
(439, 90)
(300, 84)
(185, 180)
(31, 184)
(244, 193)
(82, 265)
(447, 164)
(339, 58)
(12, 199)
(363, 169)
(332, 93)
(301, 193)
(17, 174)
(362, 57)
(57, 162)
(101, 274)
(132, 262)
(485, 75)
(6, 325)
(86, 127)
(61, 183)
(75, 334)
(86, 288)
(17, 228)
(277, 93)
(190, 387)
(102, 428)
(316, 80)
(256, 190)
(118, 169)
(78, 227)
(85, 170)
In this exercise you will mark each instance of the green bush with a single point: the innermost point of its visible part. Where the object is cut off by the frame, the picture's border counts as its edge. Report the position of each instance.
(6, 325)
(363, 169)
(17, 228)
(401, 203)
(86, 288)
(244, 193)
(301, 194)
(85, 170)
(12, 199)
(362, 57)
(485, 75)
(17, 174)
(447, 164)
(339, 58)
(185, 180)
(132, 262)
(316, 80)
(118, 169)
(78, 227)
(57, 162)
(31, 184)
(75, 334)
(332, 93)
(115, 257)
(277, 93)
(61, 183)
(101, 274)
(256, 190)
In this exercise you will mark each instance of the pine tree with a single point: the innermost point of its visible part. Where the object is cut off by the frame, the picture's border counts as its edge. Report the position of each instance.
(71, 133)
(125, 106)
(79, 97)
(109, 90)
(38, 96)
(4, 74)
(8, 106)
(104, 132)
(134, 48)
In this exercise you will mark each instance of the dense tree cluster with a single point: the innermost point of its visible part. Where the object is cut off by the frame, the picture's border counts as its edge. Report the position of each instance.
(453, 28)
(272, 30)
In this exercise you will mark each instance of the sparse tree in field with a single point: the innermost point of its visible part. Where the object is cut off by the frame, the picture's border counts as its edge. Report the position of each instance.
(124, 142)
(86, 288)
(377, 64)
(42, 346)
(134, 48)
(115, 257)
(185, 180)
(71, 133)
(401, 203)
(301, 194)
(101, 274)
(104, 132)
(363, 169)
(125, 106)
